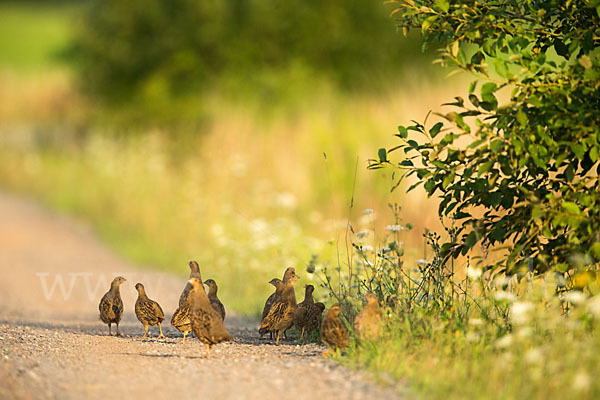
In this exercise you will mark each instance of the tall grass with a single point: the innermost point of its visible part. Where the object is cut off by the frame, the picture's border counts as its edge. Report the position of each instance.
(250, 194)
(455, 334)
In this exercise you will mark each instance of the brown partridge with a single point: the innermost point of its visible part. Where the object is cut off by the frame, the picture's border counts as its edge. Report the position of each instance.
(307, 315)
(207, 324)
(181, 316)
(368, 322)
(148, 311)
(279, 318)
(111, 305)
(333, 331)
(212, 297)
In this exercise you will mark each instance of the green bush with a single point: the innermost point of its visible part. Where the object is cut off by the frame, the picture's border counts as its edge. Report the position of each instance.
(521, 173)
(157, 49)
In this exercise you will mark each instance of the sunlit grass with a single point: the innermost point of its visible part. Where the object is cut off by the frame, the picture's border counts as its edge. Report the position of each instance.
(247, 196)
(476, 336)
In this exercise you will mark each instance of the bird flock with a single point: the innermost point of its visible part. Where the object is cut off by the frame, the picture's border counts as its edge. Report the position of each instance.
(203, 314)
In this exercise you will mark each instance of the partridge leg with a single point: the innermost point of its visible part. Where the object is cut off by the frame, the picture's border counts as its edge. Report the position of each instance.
(109, 332)
(161, 336)
(118, 333)
(145, 331)
(207, 350)
(184, 333)
(277, 342)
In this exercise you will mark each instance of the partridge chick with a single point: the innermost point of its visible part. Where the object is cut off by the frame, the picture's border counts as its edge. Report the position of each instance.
(181, 316)
(307, 315)
(206, 322)
(214, 300)
(367, 323)
(111, 305)
(333, 331)
(273, 298)
(279, 318)
(148, 311)
(194, 273)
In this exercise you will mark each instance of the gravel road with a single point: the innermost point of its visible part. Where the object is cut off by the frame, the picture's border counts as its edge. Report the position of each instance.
(52, 345)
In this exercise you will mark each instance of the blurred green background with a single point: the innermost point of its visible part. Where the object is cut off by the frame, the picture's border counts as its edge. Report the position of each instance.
(231, 132)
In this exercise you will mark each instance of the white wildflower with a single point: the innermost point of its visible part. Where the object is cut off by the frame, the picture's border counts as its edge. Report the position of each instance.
(520, 312)
(501, 281)
(473, 273)
(368, 211)
(473, 337)
(394, 228)
(286, 200)
(366, 247)
(361, 234)
(534, 356)
(476, 321)
(258, 226)
(502, 295)
(524, 332)
(421, 262)
(575, 297)
(593, 305)
(505, 341)
(217, 230)
(581, 381)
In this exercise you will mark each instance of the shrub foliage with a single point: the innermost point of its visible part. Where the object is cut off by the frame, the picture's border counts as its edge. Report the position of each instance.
(173, 47)
(519, 174)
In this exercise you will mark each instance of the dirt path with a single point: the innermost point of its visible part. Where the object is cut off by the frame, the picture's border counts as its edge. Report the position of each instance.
(52, 344)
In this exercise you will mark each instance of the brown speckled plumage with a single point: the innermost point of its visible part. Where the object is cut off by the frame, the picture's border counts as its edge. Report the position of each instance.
(148, 311)
(307, 315)
(194, 273)
(279, 318)
(333, 331)
(207, 324)
(181, 320)
(181, 316)
(278, 283)
(367, 323)
(212, 297)
(111, 305)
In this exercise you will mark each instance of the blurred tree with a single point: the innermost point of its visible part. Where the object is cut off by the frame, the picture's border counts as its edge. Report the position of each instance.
(524, 173)
(170, 48)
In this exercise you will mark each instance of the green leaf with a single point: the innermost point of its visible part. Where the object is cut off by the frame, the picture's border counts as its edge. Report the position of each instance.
(594, 154)
(471, 239)
(496, 145)
(472, 87)
(522, 118)
(443, 5)
(571, 208)
(501, 68)
(498, 234)
(436, 129)
(563, 267)
(462, 124)
(561, 48)
(585, 61)
(382, 153)
(430, 187)
(595, 250)
(484, 167)
(402, 132)
(427, 23)
(489, 101)
(448, 180)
